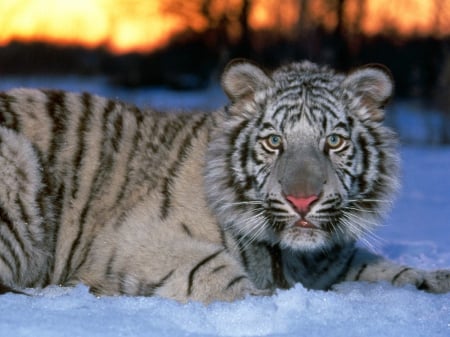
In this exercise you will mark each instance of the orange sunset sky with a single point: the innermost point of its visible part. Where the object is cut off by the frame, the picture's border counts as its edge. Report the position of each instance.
(142, 25)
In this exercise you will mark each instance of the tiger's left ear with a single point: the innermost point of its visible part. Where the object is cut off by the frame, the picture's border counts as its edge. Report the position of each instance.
(243, 78)
(374, 84)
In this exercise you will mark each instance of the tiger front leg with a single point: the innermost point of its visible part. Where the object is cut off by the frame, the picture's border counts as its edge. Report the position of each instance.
(182, 270)
(372, 268)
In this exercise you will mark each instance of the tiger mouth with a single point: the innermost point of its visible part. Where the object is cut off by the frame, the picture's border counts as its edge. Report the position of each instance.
(303, 223)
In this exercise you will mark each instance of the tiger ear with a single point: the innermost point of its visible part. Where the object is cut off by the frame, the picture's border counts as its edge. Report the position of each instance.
(374, 84)
(242, 79)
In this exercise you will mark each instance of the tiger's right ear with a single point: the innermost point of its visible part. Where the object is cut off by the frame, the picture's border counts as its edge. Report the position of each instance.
(374, 84)
(241, 79)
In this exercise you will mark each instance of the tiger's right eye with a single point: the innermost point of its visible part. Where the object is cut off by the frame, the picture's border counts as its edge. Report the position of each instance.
(272, 142)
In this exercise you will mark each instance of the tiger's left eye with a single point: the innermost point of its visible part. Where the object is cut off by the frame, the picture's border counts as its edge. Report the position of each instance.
(273, 142)
(334, 141)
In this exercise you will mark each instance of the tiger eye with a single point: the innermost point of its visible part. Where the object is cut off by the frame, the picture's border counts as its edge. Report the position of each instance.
(334, 141)
(273, 142)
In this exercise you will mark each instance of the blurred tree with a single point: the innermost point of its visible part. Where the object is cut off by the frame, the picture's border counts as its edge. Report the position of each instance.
(230, 17)
(122, 11)
(303, 22)
(442, 98)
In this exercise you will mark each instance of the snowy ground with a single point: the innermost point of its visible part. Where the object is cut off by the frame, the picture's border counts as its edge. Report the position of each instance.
(417, 233)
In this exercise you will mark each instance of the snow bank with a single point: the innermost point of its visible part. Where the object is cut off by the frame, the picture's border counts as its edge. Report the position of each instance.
(353, 310)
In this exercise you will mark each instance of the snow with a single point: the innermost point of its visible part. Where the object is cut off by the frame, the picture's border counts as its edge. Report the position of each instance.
(416, 233)
(353, 310)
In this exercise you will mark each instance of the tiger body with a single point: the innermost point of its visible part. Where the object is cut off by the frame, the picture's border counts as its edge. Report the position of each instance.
(272, 190)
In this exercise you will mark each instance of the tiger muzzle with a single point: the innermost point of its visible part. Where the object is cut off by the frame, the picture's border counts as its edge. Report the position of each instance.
(302, 176)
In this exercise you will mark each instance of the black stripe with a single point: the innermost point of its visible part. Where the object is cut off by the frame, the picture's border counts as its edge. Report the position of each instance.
(186, 229)
(15, 257)
(328, 107)
(341, 177)
(86, 100)
(56, 108)
(77, 176)
(84, 254)
(396, 276)
(57, 203)
(233, 181)
(6, 261)
(223, 238)
(149, 289)
(279, 109)
(137, 136)
(348, 173)
(110, 265)
(277, 267)
(264, 177)
(365, 162)
(331, 201)
(5, 218)
(27, 221)
(341, 125)
(235, 280)
(351, 156)
(117, 126)
(360, 271)
(197, 267)
(267, 126)
(219, 268)
(173, 170)
(293, 92)
(106, 157)
(351, 122)
(121, 281)
(244, 153)
(170, 130)
(10, 121)
(324, 123)
(255, 158)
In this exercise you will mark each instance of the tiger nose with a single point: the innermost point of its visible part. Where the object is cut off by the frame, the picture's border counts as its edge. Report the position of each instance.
(302, 204)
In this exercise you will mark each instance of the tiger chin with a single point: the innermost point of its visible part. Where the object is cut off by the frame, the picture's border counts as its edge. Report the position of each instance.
(272, 190)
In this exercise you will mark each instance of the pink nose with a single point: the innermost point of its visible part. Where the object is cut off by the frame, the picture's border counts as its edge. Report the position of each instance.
(302, 204)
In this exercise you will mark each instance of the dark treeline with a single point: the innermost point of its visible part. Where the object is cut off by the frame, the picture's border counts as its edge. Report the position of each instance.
(194, 60)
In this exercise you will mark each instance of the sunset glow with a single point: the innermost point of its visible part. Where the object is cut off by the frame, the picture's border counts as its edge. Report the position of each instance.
(143, 25)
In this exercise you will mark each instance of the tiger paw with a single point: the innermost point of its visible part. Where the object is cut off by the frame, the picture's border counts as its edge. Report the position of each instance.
(435, 281)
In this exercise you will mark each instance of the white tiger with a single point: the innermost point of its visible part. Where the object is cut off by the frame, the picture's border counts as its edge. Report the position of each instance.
(272, 190)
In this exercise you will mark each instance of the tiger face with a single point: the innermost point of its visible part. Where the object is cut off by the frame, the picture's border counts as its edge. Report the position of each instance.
(302, 158)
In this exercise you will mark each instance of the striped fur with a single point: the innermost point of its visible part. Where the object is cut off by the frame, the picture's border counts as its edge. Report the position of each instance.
(201, 206)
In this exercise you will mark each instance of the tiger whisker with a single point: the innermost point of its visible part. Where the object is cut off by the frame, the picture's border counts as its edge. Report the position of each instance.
(369, 200)
(250, 202)
(360, 209)
(361, 232)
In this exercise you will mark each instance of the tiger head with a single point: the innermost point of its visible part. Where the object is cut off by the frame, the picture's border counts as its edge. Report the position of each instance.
(301, 157)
